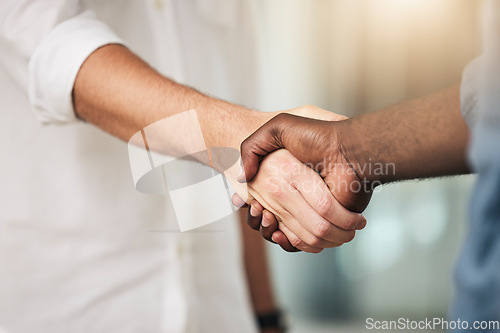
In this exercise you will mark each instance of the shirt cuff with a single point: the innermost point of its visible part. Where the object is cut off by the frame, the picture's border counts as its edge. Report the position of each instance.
(56, 62)
(469, 91)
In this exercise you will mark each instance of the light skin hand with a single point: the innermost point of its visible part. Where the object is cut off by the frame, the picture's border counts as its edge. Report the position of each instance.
(295, 194)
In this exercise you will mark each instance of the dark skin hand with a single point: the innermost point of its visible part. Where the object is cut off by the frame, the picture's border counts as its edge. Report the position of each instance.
(307, 137)
(256, 217)
(422, 138)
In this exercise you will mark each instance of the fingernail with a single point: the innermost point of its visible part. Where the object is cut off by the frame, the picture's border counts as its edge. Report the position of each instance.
(265, 222)
(254, 211)
(241, 176)
(361, 225)
(273, 238)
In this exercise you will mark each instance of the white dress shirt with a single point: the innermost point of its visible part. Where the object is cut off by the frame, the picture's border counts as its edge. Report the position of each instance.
(77, 250)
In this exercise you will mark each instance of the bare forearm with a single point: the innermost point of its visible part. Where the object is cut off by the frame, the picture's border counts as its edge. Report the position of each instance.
(116, 91)
(257, 270)
(425, 137)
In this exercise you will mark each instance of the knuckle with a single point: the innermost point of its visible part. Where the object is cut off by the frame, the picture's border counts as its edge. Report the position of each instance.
(295, 241)
(325, 204)
(266, 234)
(350, 236)
(281, 117)
(246, 148)
(275, 190)
(315, 242)
(322, 229)
(252, 224)
(349, 223)
(281, 217)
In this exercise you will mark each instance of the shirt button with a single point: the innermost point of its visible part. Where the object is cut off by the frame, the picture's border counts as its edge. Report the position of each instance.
(159, 4)
(180, 249)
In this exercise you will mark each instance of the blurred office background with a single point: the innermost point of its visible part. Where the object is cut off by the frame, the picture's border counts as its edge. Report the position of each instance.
(353, 57)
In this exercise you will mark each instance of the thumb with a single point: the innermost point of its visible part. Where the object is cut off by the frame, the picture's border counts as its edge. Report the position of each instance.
(262, 142)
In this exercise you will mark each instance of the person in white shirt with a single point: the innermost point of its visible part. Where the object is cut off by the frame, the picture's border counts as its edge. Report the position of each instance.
(450, 132)
(76, 254)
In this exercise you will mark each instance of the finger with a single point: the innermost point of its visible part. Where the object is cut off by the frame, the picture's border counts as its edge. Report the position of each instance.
(269, 225)
(303, 221)
(254, 215)
(295, 241)
(279, 237)
(263, 141)
(339, 224)
(238, 201)
(294, 133)
(285, 201)
(269, 230)
(304, 239)
(256, 208)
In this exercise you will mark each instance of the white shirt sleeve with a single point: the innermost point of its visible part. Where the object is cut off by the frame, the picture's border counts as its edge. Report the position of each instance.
(469, 91)
(44, 45)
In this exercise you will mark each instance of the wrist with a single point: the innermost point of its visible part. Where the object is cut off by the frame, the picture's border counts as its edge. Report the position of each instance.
(273, 321)
(356, 153)
(227, 124)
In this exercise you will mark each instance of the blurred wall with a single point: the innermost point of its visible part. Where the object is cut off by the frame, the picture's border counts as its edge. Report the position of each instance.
(353, 57)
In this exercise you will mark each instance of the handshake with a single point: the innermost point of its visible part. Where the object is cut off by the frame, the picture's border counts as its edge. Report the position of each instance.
(304, 192)
(311, 173)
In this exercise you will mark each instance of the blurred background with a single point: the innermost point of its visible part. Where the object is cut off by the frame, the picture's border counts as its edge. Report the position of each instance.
(353, 57)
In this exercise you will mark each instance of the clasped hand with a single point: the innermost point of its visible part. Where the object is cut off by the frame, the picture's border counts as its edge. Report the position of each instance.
(300, 185)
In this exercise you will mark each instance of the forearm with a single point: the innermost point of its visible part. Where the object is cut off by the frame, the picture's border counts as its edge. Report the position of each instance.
(116, 91)
(425, 137)
(257, 270)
